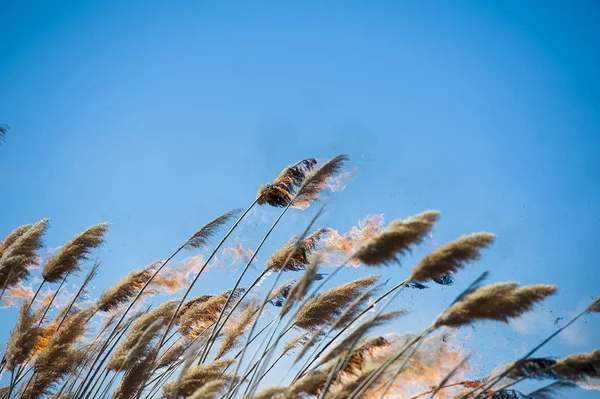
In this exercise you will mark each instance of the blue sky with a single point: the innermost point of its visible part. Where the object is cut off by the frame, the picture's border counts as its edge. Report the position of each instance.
(158, 116)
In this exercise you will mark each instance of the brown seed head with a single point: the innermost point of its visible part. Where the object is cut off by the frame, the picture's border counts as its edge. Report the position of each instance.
(449, 258)
(67, 260)
(316, 181)
(200, 238)
(281, 191)
(324, 308)
(396, 239)
(500, 302)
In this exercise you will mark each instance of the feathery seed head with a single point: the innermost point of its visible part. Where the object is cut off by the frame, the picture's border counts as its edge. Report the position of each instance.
(281, 192)
(200, 238)
(449, 258)
(124, 290)
(579, 366)
(396, 239)
(67, 260)
(22, 339)
(500, 301)
(293, 255)
(316, 181)
(324, 308)
(21, 253)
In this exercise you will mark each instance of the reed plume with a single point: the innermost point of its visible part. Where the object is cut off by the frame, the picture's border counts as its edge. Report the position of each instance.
(360, 354)
(271, 393)
(316, 181)
(124, 290)
(22, 339)
(295, 342)
(12, 237)
(202, 236)
(67, 259)
(282, 190)
(326, 307)
(301, 287)
(154, 320)
(21, 253)
(536, 368)
(293, 255)
(197, 377)
(58, 357)
(3, 129)
(349, 387)
(278, 296)
(500, 301)
(549, 391)
(174, 353)
(439, 264)
(232, 334)
(311, 384)
(210, 390)
(202, 313)
(594, 306)
(348, 343)
(396, 239)
(579, 366)
(134, 378)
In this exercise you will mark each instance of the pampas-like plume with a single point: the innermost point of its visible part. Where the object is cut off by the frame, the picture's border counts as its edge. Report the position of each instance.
(359, 332)
(449, 258)
(326, 307)
(359, 354)
(174, 353)
(579, 366)
(311, 384)
(124, 290)
(139, 360)
(210, 390)
(298, 259)
(156, 318)
(316, 181)
(595, 306)
(58, 357)
(536, 368)
(20, 254)
(22, 339)
(12, 237)
(346, 390)
(281, 191)
(196, 377)
(202, 313)
(295, 342)
(200, 238)
(301, 287)
(278, 296)
(67, 260)
(549, 391)
(396, 239)
(134, 378)
(500, 302)
(271, 393)
(232, 334)
(3, 129)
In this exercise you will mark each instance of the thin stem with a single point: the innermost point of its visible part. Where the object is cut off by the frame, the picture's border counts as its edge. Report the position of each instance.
(497, 379)
(139, 294)
(52, 300)
(213, 253)
(346, 327)
(12, 381)
(237, 283)
(397, 373)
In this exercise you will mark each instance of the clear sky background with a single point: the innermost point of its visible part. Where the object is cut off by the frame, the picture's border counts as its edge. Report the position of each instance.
(158, 116)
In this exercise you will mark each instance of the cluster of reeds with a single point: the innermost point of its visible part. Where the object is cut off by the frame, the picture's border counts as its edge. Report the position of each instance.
(225, 344)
